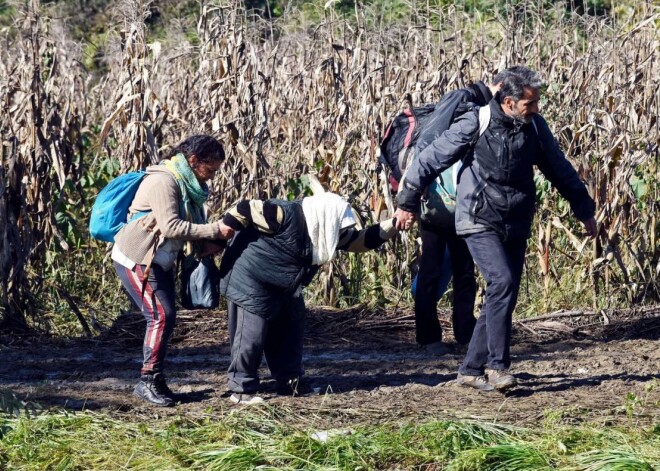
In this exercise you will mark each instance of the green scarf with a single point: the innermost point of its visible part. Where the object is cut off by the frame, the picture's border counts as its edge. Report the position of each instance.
(193, 193)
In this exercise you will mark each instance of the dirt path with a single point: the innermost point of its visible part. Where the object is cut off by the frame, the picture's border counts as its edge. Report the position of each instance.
(366, 367)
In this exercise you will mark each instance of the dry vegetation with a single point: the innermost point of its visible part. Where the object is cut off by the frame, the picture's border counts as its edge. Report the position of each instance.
(291, 97)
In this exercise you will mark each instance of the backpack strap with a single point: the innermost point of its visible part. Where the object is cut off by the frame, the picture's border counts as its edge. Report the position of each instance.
(484, 119)
(137, 215)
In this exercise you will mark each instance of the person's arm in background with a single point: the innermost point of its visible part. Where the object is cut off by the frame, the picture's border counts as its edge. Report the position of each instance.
(556, 168)
(442, 118)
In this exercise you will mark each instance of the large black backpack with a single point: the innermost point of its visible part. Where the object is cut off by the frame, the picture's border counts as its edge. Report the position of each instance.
(410, 132)
(397, 147)
(414, 129)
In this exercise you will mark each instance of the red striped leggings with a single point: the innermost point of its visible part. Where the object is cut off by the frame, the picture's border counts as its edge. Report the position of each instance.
(157, 306)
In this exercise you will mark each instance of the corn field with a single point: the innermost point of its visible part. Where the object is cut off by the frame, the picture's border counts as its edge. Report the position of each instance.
(310, 93)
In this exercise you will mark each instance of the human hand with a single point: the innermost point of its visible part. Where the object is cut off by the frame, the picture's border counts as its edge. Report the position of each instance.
(591, 227)
(226, 232)
(404, 219)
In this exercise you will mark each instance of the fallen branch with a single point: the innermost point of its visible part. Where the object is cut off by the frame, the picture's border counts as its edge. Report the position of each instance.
(529, 329)
(74, 307)
(554, 327)
(556, 315)
(394, 320)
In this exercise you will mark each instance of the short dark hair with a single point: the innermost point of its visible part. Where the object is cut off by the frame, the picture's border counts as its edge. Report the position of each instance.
(516, 80)
(206, 148)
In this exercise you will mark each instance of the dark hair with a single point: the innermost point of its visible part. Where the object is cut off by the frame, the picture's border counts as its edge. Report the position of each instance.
(516, 80)
(206, 148)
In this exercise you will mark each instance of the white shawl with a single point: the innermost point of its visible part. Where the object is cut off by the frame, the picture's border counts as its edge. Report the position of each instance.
(325, 214)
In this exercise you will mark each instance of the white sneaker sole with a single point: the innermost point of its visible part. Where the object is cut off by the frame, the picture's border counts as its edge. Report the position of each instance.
(238, 399)
(480, 387)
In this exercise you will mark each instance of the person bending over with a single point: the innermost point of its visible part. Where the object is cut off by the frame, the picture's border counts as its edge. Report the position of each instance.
(278, 248)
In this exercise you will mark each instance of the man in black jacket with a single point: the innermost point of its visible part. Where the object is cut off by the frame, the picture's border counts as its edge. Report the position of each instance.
(495, 206)
(438, 234)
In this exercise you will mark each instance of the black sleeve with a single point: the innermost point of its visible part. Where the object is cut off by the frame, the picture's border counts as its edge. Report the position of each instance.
(353, 240)
(441, 119)
(554, 165)
(453, 145)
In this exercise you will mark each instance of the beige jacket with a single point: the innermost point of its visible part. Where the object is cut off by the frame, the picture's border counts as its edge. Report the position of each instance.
(158, 193)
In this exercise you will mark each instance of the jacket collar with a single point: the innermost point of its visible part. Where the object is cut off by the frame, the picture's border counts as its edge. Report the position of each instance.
(497, 114)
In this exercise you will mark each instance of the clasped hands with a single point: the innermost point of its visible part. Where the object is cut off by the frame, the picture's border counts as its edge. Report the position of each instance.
(404, 219)
(216, 246)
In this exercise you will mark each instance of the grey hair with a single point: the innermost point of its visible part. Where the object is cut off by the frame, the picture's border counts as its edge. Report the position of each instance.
(514, 81)
(514, 70)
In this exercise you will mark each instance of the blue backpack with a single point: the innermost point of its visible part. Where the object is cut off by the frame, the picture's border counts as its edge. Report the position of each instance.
(110, 210)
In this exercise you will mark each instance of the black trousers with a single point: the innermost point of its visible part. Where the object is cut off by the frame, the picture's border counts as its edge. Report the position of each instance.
(434, 242)
(501, 264)
(279, 338)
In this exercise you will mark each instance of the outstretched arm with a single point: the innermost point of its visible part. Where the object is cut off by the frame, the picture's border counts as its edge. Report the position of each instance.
(353, 240)
(266, 216)
(453, 145)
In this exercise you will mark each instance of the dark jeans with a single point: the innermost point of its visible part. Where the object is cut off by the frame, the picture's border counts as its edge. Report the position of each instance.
(157, 306)
(427, 326)
(501, 264)
(252, 336)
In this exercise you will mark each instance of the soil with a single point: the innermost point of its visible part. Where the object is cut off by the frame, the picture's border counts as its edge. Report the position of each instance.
(365, 367)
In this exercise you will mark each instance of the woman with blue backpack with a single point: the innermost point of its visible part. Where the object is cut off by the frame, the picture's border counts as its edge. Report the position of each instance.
(165, 217)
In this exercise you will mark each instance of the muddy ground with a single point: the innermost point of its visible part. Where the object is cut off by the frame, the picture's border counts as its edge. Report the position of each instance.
(594, 368)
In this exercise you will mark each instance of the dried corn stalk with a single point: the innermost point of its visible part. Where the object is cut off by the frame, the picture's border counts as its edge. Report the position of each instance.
(41, 133)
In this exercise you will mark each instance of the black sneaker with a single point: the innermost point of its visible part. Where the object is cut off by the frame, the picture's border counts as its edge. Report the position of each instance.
(153, 389)
(293, 387)
(162, 386)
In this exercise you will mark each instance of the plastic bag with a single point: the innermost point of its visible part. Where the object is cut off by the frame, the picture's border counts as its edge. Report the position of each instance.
(199, 283)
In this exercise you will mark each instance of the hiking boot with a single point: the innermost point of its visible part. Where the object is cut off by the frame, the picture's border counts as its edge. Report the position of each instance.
(437, 348)
(293, 387)
(500, 379)
(153, 389)
(162, 386)
(476, 382)
(245, 399)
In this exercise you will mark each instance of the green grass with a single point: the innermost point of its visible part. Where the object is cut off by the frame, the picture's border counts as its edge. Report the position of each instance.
(277, 438)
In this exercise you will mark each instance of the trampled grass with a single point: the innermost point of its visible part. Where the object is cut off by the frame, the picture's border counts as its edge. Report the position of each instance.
(277, 438)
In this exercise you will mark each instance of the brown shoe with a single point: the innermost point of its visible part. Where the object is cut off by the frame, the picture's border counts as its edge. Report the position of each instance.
(476, 382)
(500, 379)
